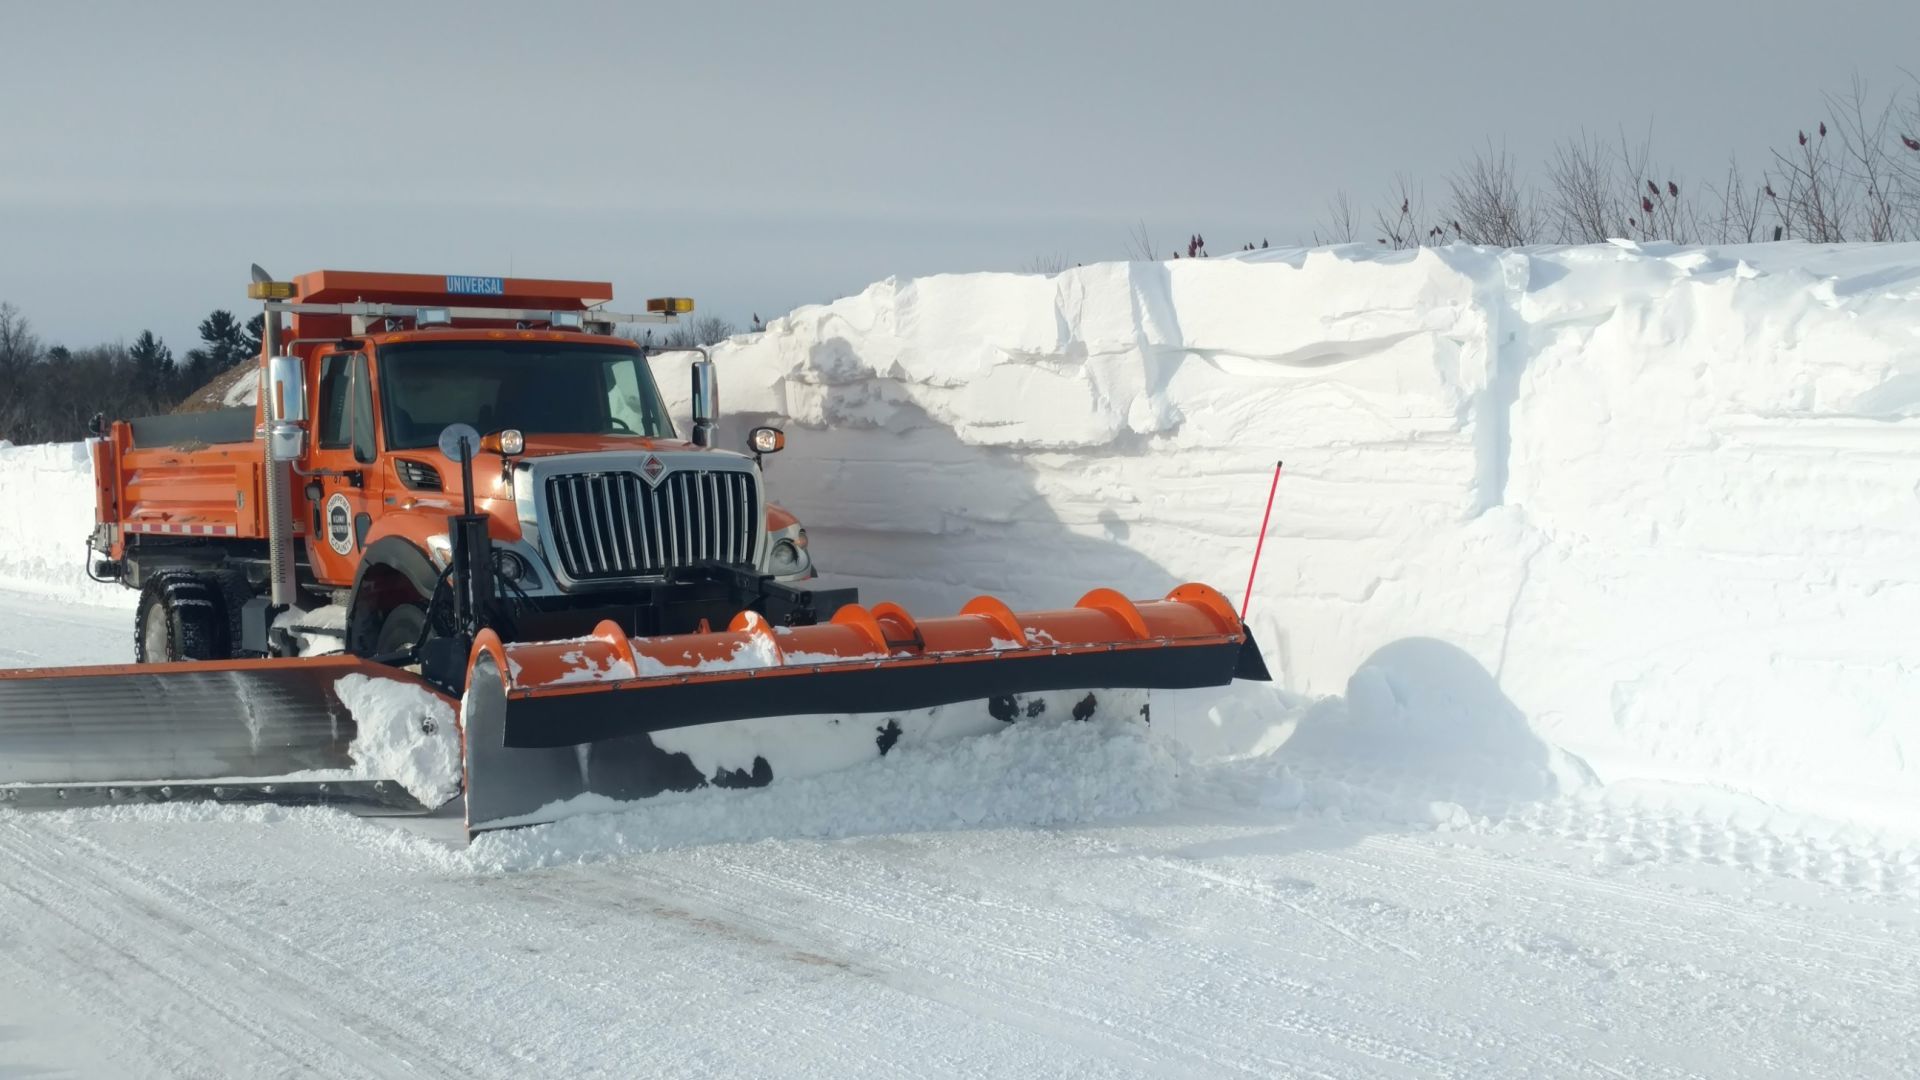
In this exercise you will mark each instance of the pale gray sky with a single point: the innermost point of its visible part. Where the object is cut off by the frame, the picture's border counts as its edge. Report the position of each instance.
(761, 156)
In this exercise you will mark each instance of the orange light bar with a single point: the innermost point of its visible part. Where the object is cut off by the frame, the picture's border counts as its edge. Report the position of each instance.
(456, 290)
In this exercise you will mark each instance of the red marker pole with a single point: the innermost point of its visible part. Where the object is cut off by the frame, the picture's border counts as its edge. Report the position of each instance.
(1262, 542)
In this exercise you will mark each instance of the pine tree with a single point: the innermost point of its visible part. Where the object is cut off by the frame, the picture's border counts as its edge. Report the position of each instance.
(220, 336)
(152, 363)
(250, 337)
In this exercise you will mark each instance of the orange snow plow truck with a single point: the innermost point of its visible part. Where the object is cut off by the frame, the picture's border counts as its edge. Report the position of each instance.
(458, 526)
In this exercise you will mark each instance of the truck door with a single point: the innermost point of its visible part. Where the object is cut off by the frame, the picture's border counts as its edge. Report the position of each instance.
(346, 457)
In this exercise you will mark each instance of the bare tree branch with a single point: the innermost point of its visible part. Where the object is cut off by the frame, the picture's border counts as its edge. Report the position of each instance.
(1140, 244)
(1489, 205)
(1338, 226)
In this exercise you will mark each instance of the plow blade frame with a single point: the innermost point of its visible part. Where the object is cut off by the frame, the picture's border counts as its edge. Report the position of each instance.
(229, 730)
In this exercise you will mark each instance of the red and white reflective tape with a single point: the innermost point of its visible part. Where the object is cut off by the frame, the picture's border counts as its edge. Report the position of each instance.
(182, 530)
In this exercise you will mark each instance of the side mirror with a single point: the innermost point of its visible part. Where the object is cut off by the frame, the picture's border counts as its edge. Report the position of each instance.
(706, 400)
(286, 407)
(286, 390)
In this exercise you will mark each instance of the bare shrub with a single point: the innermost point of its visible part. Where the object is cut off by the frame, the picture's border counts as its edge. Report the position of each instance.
(1737, 219)
(1582, 197)
(1905, 151)
(1049, 264)
(703, 331)
(1489, 205)
(1140, 244)
(1338, 226)
(1403, 227)
(1809, 194)
(1853, 175)
(1876, 162)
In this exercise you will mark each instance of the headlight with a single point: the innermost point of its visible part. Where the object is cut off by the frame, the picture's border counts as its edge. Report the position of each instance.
(509, 567)
(786, 558)
(766, 440)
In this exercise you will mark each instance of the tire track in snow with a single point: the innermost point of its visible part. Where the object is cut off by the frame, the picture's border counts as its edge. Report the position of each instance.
(414, 1026)
(324, 1018)
(1802, 931)
(174, 998)
(1764, 995)
(1875, 864)
(1072, 935)
(770, 931)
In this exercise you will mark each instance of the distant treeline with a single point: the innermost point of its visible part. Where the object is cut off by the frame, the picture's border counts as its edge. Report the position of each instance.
(48, 392)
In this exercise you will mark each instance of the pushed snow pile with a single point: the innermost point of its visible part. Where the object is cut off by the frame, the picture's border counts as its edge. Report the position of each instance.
(1665, 501)
(46, 515)
(402, 733)
(1041, 772)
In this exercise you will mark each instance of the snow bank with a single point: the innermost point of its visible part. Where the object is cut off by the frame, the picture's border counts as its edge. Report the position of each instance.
(46, 515)
(1664, 501)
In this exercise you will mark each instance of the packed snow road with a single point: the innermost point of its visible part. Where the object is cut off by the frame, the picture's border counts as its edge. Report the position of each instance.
(1291, 915)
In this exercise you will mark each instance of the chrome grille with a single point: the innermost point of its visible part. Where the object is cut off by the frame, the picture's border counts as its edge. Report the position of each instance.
(612, 525)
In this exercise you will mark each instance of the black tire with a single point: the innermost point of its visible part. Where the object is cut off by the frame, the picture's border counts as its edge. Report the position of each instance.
(400, 630)
(181, 616)
(379, 590)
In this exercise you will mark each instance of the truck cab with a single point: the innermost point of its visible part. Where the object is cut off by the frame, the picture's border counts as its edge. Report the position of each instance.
(596, 507)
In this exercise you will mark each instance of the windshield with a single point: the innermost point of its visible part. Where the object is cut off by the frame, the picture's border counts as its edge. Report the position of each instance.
(539, 387)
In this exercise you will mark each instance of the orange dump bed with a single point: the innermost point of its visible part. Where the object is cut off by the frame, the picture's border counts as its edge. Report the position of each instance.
(183, 489)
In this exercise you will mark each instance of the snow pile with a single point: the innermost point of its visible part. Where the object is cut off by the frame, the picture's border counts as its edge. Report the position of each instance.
(404, 733)
(1048, 771)
(1665, 501)
(46, 515)
(243, 393)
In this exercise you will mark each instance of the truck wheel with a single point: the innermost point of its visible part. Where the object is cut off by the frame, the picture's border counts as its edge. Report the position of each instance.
(180, 617)
(400, 629)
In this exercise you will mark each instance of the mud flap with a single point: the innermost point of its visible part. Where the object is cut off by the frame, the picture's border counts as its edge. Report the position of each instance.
(234, 731)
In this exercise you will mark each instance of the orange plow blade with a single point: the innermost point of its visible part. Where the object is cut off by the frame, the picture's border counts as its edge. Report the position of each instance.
(550, 722)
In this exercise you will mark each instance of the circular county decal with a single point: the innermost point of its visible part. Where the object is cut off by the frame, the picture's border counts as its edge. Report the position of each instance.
(339, 523)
